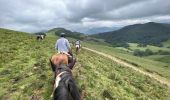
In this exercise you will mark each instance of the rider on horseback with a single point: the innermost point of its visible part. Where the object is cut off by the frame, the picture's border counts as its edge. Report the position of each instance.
(61, 64)
(78, 44)
(63, 47)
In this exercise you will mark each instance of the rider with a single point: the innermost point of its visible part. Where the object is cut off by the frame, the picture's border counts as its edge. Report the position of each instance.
(62, 46)
(78, 44)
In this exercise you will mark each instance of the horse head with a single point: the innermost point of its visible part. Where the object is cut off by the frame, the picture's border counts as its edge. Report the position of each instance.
(64, 85)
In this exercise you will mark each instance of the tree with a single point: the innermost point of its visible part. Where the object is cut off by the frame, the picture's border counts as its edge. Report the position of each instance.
(137, 52)
(148, 52)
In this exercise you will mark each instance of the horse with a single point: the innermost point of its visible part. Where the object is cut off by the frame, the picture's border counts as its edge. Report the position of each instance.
(78, 45)
(40, 37)
(64, 84)
(77, 48)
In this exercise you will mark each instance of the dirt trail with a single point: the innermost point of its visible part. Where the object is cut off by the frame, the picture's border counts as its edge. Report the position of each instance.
(160, 79)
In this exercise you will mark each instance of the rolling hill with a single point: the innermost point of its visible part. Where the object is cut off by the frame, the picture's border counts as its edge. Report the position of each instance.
(58, 31)
(26, 74)
(148, 33)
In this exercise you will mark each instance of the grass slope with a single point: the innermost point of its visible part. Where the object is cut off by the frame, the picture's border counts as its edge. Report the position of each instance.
(25, 73)
(24, 68)
(167, 43)
(150, 65)
(134, 46)
(161, 58)
(100, 78)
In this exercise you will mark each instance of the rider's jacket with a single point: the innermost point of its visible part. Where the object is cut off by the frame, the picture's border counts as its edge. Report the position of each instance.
(62, 45)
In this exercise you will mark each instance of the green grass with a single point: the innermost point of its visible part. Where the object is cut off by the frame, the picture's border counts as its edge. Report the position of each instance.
(161, 58)
(100, 78)
(134, 46)
(25, 73)
(166, 43)
(150, 65)
(24, 66)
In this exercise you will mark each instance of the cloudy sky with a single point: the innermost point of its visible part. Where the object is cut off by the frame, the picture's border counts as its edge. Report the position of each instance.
(80, 15)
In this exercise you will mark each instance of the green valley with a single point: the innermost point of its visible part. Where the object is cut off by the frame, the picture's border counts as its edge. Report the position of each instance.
(26, 74)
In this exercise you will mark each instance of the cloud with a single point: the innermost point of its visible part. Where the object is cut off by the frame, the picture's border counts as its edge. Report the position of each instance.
(92, 8)
(79, 15)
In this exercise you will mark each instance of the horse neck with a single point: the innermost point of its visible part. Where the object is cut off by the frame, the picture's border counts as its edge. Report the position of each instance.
(62, 68)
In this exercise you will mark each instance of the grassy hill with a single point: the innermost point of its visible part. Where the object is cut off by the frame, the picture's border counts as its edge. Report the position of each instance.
(58, 31)
(25, 72)
(24, 67)
(134, 46)
(166, 43)
(154, 66)
(161, 58)
(149, 33)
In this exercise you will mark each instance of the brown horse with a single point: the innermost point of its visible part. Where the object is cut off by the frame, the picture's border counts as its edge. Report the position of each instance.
(64, 85)
(59, 59)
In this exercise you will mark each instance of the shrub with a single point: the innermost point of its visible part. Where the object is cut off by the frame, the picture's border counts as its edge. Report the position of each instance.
(148, 52)
(163, 52)
(142, 45)
(137, 52)
(140, 53)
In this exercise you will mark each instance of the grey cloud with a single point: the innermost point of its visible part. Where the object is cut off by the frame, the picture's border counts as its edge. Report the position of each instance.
(34, 15)
(136, 10)
(89, 8)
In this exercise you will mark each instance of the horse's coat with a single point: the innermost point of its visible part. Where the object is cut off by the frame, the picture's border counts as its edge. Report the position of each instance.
(59, 59)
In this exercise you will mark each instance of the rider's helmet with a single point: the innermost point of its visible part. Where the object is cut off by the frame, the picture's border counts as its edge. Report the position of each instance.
(62, 35)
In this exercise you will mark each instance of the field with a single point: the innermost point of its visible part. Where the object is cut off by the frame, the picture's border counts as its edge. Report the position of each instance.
(134, 46)
(161, 58)
(24, 69)
(167, 43)
(150, 65)
(26, 73)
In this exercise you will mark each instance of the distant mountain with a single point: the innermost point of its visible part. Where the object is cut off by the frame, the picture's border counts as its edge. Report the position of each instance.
(101, 30)
(58, 31)
(148, 33)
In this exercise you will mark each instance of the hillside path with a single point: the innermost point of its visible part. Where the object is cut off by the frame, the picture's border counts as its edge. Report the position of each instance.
(160, 79)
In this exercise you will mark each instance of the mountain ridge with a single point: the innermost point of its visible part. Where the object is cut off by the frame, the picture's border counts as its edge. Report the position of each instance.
(101, 30)
(148, 33)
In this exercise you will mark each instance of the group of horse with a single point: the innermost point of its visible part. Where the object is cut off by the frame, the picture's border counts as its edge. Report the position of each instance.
(64, 85)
